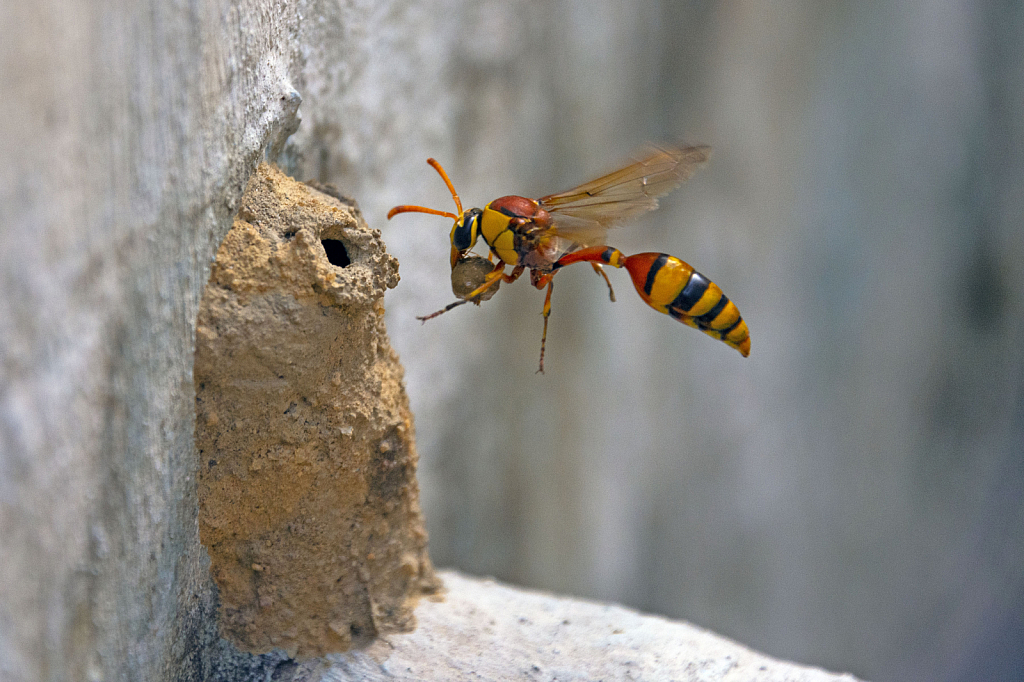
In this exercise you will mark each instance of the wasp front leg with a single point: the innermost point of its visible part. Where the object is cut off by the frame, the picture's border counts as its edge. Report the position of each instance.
(493, 277)
(478, 294)
(450, 306)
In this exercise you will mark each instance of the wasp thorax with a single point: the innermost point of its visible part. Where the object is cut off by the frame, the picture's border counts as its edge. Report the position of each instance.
(466, 230)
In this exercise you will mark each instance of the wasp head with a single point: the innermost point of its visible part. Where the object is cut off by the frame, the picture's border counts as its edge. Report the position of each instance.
(465, 232)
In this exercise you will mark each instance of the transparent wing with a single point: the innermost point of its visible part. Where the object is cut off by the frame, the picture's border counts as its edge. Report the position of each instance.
(552, 247)
(585, 213)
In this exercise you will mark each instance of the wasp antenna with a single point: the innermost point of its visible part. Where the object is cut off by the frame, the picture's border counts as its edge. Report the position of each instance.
(444, 176)
(420, 209)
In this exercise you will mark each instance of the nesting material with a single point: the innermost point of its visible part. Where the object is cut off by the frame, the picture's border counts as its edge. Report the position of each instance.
(309, 506)
(471, 272)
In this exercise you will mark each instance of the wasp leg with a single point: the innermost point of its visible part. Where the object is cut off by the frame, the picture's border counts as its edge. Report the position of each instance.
(600, 270)
(442, 310)
(514, 275)
(546, 313)
(495, 275)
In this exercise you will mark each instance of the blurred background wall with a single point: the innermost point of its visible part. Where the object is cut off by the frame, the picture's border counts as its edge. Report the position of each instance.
(852, 495)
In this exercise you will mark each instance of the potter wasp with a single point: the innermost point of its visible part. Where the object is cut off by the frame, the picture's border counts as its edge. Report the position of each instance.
(544, 235)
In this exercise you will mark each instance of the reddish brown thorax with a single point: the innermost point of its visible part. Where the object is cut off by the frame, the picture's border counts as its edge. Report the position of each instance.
(521, 207)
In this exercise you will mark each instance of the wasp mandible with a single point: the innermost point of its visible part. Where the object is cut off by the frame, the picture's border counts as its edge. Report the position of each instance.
(544, 235)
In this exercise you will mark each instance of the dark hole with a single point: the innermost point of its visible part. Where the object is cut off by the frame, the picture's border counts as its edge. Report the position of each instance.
(336, 252)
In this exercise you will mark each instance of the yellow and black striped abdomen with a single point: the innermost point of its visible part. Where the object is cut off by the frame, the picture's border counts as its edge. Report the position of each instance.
(673, 287)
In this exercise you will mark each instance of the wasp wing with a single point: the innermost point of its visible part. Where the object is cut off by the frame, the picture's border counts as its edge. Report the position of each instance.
(550, 248)
(585, 213)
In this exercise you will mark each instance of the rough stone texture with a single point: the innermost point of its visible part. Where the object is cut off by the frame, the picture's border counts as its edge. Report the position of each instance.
(486, 631)
(130, 130)
(308, 499)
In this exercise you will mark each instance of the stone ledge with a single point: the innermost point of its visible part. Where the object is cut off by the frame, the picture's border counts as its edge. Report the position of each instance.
(484, 630)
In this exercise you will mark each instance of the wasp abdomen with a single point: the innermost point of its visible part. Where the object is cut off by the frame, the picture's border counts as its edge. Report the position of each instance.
(673, 287)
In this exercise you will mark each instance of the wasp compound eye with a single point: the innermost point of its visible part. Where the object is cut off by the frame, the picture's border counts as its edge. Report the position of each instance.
(466, 229)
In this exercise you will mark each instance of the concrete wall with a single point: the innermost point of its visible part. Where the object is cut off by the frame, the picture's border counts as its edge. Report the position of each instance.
(129, 132)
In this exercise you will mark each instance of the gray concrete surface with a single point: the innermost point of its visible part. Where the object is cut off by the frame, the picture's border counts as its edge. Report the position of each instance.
(487, 631)
(129, 131)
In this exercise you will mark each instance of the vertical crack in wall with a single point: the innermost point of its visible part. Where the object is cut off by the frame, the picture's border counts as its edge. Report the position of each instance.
(309, 506)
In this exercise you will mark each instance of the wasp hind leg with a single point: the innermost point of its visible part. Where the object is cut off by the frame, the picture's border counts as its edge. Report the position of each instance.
(599, 269)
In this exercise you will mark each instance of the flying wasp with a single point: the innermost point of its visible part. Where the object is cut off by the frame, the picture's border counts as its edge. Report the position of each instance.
(544, 235)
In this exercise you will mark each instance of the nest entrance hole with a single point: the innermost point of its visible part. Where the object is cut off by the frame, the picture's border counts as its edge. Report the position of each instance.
(336, 252)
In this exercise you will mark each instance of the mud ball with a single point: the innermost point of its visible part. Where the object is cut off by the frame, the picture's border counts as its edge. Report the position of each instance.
(471, 272)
